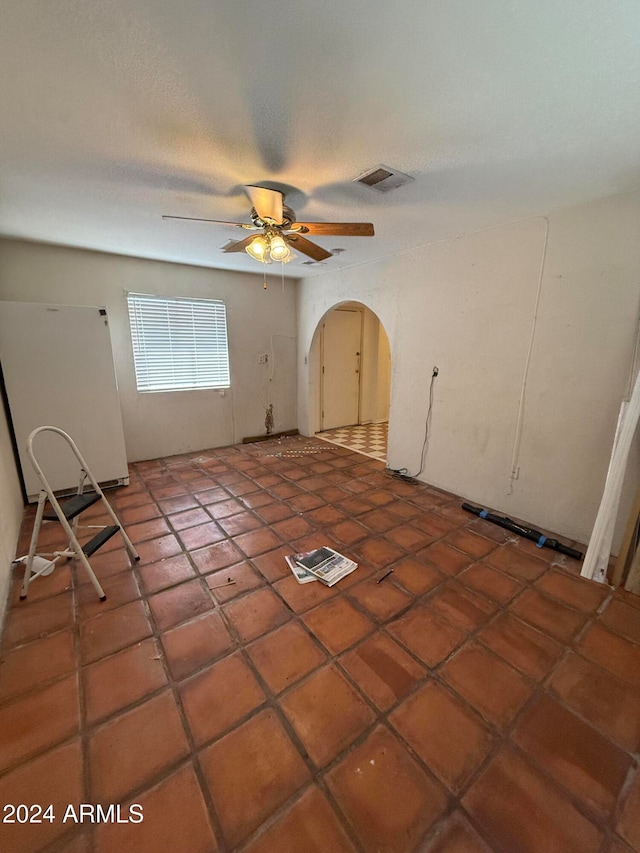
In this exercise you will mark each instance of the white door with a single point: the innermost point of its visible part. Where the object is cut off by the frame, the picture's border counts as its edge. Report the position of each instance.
(341, 341)
(58, 371)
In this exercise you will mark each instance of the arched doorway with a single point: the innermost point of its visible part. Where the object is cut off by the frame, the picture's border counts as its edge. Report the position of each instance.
(354, 380)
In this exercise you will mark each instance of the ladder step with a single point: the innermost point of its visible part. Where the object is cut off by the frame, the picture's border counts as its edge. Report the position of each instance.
(99, 539)
(74, 506)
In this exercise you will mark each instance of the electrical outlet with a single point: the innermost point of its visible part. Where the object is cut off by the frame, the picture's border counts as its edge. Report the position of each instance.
(263, 358)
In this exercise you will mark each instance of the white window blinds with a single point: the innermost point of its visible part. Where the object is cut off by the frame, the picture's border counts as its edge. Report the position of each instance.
(178, 344)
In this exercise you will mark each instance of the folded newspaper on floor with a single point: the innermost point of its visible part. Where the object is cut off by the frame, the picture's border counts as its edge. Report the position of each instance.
(323, 564)
(300, 574)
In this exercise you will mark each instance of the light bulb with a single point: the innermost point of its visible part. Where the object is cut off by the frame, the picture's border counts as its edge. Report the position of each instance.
(257, 248)
(279, 250)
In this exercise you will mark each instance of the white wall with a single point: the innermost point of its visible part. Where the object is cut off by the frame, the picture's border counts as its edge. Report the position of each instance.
(468, 305)
(259, 321)
(383, 388)
(375, 378)
(11, 509)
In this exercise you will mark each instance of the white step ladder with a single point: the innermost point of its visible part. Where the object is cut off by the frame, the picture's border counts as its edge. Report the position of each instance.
(65, 512)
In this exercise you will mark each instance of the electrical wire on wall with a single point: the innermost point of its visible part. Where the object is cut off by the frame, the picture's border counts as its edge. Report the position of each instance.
(233, 416)
(273, 357)
(514, 473)
(266, 383)
(403, 473)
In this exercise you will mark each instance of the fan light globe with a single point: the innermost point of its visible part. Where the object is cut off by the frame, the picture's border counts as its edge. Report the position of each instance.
(257, 248)
(279, 250)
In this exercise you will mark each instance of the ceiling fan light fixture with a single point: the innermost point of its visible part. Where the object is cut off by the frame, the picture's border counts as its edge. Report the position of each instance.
(279, 230)
(278, 249)
(258, 248)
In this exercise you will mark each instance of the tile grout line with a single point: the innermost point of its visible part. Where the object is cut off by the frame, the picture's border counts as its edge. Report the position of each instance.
(191, 758)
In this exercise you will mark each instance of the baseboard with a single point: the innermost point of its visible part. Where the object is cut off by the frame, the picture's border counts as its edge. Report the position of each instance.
(286, 432)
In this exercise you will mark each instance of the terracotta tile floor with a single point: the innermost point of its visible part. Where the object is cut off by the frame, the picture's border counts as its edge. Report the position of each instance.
(481, 697)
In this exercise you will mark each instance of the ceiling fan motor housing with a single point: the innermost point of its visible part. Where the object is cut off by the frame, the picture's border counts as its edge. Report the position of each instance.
(288, 218)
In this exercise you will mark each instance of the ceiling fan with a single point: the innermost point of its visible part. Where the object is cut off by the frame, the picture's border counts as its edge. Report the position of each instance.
(280, 231)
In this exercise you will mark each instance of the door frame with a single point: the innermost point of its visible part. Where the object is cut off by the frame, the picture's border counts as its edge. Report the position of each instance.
(352, 310)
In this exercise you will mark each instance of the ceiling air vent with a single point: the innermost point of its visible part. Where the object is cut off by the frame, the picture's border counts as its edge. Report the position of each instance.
(383, 179)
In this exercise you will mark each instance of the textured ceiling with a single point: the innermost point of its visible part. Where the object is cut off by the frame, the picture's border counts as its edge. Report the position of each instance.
(113, 113)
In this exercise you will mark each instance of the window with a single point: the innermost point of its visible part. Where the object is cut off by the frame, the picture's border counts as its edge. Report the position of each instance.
(178, 344)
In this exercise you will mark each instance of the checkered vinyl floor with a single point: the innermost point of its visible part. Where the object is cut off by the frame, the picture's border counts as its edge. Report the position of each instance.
(370, 439)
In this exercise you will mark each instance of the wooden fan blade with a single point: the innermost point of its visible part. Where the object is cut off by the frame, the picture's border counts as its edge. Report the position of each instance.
(301, 244)
(267, 203)
(337, 229)
(215, 221)
(239, 245)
